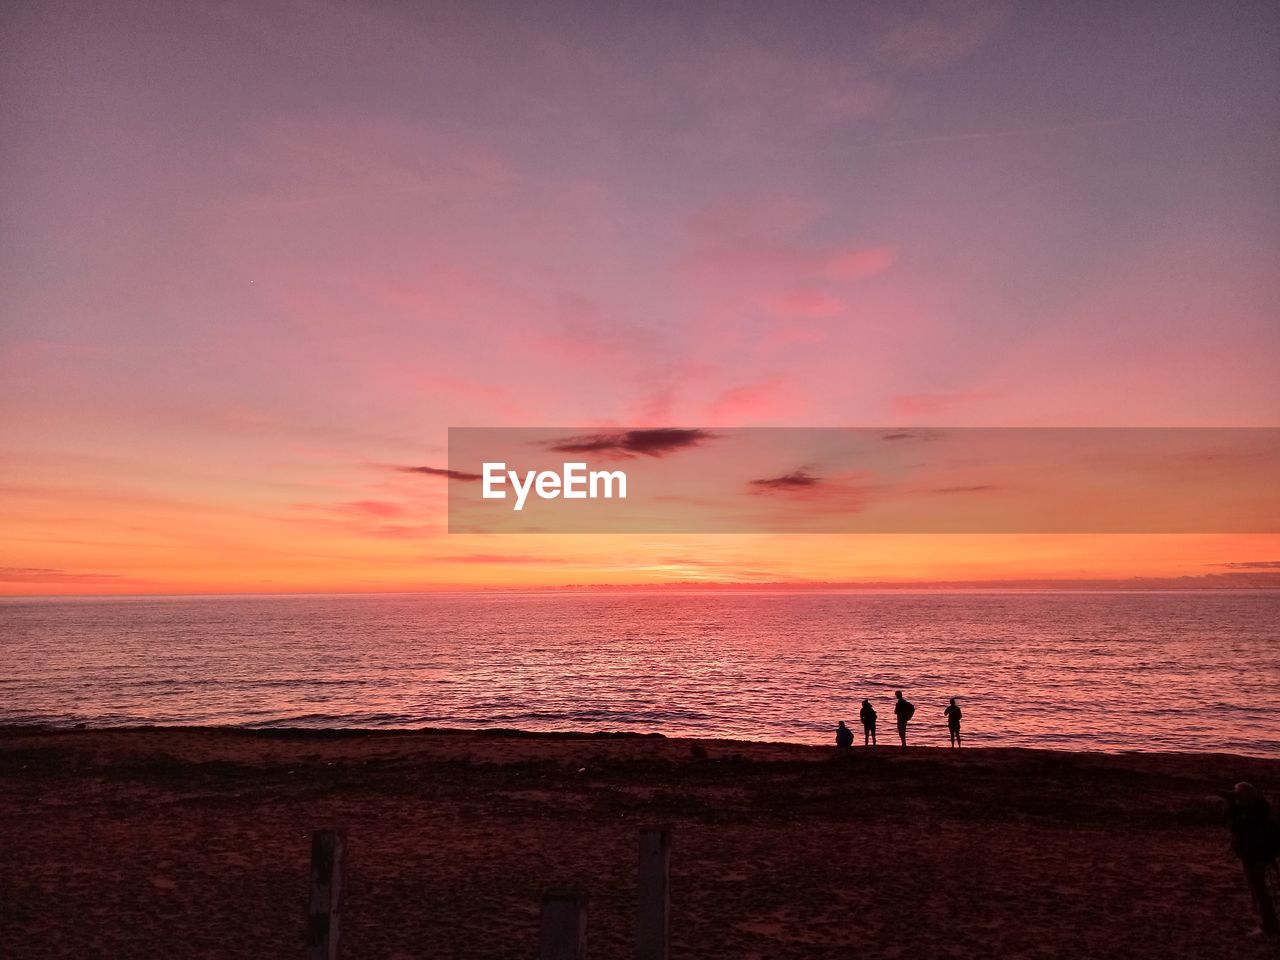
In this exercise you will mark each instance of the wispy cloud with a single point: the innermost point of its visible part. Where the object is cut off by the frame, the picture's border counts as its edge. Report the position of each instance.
(765, 400)
(441, 472)
(795, 480)
(51, 575)
(658, 442)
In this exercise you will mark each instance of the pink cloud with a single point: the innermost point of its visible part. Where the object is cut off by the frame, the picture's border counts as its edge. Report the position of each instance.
(759, 240)
(663, 393)
(753, 402)
(853, 264)
(754, 281)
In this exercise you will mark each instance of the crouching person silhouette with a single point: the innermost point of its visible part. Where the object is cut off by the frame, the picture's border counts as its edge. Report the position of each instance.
(844, 738)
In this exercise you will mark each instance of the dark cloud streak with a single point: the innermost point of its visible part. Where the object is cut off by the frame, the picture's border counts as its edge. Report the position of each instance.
(657, 442)
(441, 472)
(795, 480)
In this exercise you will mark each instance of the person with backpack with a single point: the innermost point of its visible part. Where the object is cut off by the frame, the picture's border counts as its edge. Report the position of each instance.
(904, 710)
(952, 714)
(1255, 839)
(844, 738)
(868, 717)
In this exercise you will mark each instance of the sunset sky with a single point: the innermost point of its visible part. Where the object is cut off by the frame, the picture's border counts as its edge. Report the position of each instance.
(257, 258)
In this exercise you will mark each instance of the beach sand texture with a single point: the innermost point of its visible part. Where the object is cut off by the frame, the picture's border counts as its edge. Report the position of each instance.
(162, 843)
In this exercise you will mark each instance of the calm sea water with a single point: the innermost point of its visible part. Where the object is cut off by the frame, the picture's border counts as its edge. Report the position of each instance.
(1152, 671)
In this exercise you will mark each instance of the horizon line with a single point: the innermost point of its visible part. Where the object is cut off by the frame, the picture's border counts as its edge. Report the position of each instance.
(1201, 583)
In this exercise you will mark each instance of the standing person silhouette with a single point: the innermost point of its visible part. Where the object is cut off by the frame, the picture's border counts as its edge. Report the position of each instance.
(868, 717)
(953, 722)
(904, 710)
(1255, 838)
(844, 738)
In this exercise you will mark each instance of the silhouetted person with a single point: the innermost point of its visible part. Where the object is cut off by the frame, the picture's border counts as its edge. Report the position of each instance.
(844, 737)
(953, 722)
(904, 710)
(868, 717)
(1255, 838)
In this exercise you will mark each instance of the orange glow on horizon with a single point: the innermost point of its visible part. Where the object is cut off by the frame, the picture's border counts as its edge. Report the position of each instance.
(245, 298)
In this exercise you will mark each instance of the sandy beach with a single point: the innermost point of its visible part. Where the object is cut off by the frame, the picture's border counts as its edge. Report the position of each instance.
(169, 842)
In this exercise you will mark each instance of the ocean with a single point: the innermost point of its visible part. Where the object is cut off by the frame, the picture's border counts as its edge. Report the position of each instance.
(1185, 671)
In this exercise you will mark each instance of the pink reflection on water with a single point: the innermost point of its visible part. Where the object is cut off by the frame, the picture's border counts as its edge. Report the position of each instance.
(1149, 671)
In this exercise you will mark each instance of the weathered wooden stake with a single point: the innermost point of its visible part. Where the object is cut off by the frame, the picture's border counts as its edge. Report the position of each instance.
(564, 926)
(655, 893)
(326, 891)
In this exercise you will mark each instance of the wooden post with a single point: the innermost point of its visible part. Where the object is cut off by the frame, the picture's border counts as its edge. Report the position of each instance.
(564, 926)
(655, 893)
(326, 891)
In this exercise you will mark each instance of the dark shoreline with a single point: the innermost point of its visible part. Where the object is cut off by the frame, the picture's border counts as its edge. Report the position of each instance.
(156, 842)
(517, 733)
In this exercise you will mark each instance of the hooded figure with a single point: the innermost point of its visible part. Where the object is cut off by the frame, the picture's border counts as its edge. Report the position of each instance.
(1255, 838)
(868, 717)
(904, 710)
